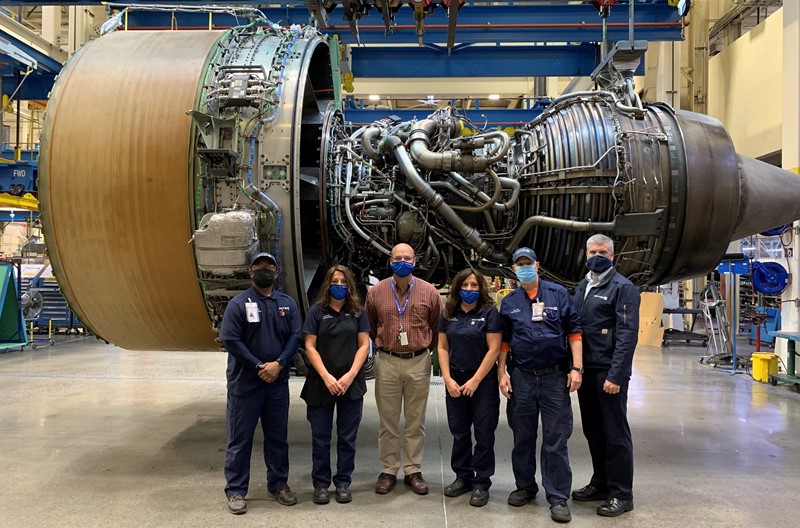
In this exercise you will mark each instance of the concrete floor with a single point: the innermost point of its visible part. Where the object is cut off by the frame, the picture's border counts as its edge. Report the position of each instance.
(91, 435)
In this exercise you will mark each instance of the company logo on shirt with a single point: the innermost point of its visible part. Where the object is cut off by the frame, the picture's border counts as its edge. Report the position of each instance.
(605, 298)
(283, 310)
(478, 320)
(327, 316)
(515, 310)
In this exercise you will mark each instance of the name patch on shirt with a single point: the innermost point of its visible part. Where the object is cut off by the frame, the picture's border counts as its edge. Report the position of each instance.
(600, 297)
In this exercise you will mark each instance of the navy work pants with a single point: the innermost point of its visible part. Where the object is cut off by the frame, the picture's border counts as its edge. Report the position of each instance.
(270, 404)
(480, 413)
(348, 418)
(605, 426)
(547, 396)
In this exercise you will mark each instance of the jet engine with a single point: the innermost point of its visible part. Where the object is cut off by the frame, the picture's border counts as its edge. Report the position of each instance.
(168, 159)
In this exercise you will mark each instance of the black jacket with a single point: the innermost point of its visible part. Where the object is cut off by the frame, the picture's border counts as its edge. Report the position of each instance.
(610, 319)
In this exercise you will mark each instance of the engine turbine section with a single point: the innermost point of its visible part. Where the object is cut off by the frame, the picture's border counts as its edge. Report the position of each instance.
(667, 185)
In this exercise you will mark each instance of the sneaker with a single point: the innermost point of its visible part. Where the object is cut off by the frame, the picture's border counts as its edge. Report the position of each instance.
(343, 495)
(321, 495)
(457, 488)
(285, 496)
(559, 512)
(521, 497)
(479, 498)
(237, 505)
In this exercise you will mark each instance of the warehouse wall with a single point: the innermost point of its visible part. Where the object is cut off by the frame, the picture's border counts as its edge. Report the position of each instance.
(745, 88)
(13, 235)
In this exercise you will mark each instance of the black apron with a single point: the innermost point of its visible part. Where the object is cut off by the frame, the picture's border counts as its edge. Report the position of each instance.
(337, 343)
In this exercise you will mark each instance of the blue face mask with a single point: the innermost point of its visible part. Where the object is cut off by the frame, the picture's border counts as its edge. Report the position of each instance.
(402, 268)
(598, 263)
(338, 291)
(469, 296)
(526, 274)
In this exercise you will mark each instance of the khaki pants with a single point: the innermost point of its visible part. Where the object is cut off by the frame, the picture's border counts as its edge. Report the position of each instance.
(402, 383)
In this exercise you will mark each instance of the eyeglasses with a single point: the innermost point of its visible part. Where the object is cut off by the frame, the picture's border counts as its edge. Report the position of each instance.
(399, 258)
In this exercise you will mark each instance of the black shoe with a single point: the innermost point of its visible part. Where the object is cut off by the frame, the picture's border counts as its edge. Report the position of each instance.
(285, 496)
(321, 495)
(457, 488)
(343, 495)
(479, 498)
(237, 504)
(590, 492)
(521, 497)
(614, 507)
(559, 512)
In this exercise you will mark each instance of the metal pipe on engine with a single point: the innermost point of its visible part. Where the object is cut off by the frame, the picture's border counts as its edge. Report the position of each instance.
(571, 225)
(489, 202)
(436, 201)
(366, 143)
(507, 183)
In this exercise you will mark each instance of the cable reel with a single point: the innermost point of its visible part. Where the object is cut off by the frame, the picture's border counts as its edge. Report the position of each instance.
(769, 278)
(776, 231)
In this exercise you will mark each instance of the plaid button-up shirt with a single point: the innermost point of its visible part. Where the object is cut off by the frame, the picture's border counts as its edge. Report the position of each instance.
(419, 321)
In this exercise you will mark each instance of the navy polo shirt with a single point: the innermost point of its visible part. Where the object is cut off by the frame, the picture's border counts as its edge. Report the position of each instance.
(275, 337)
(539, 344)
(466, 335)
(337, 344)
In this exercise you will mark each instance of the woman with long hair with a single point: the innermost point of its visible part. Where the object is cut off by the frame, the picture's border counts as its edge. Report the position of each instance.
(469, 343)
(337, 342)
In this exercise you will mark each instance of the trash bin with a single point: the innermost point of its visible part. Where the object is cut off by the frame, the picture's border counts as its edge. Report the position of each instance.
(764, 364)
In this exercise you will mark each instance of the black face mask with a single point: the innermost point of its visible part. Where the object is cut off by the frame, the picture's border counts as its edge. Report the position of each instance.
(598, 263)
(264, 278)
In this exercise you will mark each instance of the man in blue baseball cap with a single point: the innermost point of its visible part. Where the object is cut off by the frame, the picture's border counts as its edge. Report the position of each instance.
(261, 331)
(542, 351)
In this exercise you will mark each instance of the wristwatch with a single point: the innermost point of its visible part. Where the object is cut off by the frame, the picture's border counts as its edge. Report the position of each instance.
(579, 370)
(259, 366)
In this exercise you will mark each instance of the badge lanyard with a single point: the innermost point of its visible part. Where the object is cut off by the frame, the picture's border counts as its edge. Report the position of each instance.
(251, 310)
(402, 335)
(537, 310)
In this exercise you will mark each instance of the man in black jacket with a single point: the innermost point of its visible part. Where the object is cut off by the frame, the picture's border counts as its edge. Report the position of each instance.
(608, 305)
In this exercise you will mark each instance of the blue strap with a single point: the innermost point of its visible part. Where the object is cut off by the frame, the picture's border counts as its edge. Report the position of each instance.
(401, 311)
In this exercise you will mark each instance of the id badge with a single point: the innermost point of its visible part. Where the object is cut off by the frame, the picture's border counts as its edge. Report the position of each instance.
(403, 337)
(537, 311)
(252, 312)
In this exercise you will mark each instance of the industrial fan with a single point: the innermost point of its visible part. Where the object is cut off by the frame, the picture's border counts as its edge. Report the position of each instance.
(31, 304)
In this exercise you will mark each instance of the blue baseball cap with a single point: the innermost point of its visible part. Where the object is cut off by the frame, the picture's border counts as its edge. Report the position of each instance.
(263, 255)
(524, 252)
